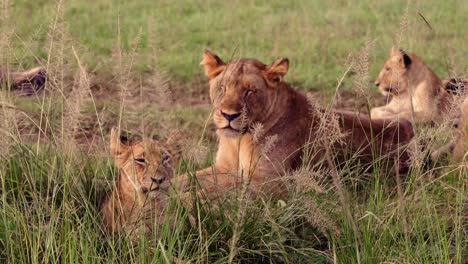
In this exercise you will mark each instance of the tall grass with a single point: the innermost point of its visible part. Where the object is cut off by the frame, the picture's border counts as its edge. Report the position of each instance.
(54, 166)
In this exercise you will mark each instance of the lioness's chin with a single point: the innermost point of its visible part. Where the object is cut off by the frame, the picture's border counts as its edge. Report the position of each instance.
(228, 132)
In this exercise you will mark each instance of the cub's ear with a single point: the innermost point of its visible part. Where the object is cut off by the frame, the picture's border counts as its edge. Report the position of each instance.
(174, 145)
(212, 63)
(394, 52)
(118, 143)
(401, 56)
(406, 59)
(277, 70)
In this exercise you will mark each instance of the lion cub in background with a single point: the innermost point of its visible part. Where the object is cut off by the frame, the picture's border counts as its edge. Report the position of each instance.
(460, 152)
(417, 93)
(143, 166)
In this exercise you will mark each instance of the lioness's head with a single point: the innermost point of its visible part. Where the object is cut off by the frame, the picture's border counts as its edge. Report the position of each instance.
(393, 78)
(242, 91)
(146, 163)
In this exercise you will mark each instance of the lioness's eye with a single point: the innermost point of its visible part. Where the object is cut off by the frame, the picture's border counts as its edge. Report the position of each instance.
(387, 69)
(165, 158)
(140, 161)
(249, 92)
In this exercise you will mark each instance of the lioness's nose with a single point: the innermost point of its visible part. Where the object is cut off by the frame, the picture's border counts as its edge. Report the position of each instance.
(377, 84)
(156, 180)
(230, 117)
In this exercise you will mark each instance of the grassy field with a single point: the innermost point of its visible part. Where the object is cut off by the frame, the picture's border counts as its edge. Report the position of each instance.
(316, 36)
(135, 64)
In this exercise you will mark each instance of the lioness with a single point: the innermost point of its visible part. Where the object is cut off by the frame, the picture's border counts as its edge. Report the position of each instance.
(143, 165)
(26, 82)
(246, 92)
(417, 94)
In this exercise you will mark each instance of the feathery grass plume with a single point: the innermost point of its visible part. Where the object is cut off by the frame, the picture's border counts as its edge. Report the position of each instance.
(59, 43)
(123, 63)
(360, 66)
(8, 121)
(58, 69)
(269, 144)
(404, 25)
(307, 180)
(258, 132)
(77, 98)
(4, 12)
(306, 185)
(8, 114)
(316, 216)
(328, 131)
(329, 127)
(194, 150)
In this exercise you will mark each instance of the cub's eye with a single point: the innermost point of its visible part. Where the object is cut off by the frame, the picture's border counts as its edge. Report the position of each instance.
(387, 68)
(140, 161)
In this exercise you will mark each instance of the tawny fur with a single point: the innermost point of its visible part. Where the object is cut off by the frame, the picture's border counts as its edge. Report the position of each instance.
(143, 166)
(246, 92)
(417, 94)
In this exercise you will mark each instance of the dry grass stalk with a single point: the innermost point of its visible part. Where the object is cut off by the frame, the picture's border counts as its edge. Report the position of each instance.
(360, 65)
(404, 25)
(78, 97)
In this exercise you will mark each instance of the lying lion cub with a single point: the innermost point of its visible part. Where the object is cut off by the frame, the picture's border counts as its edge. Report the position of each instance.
(27, 82)
(143, 165)
(417, 93)
(246, 92)
(458, 146)
(460, 152)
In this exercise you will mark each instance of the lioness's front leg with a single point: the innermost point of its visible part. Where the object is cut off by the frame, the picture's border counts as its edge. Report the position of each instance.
(417, 117)
(212, 179)
(381, 112)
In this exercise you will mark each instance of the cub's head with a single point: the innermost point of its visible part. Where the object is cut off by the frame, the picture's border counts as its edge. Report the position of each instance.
(393, 78)
(144, 163)
(243, 91)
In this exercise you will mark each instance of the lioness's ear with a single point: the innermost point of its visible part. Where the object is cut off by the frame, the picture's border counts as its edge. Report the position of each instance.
(212, 63)
(118, 143)
(277, 70)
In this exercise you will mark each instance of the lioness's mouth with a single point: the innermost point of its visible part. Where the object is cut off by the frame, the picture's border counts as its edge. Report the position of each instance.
(229, 127)
(147, 190)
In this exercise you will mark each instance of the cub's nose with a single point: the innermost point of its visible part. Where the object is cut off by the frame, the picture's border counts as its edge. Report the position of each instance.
(377, 84)
(230, 117)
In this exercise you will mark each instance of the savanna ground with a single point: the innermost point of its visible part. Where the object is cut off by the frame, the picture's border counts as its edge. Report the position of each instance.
(134, 64)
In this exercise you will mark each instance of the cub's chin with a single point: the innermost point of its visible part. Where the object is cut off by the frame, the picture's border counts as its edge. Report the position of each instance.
(229, 132)
(386, 92)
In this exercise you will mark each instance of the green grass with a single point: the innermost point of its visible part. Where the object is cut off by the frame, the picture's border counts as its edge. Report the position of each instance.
(49, 214)
(51, 182)
(317, 36)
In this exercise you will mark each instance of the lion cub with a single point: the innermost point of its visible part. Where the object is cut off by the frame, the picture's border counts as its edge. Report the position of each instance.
(26, 82)
(417, 94)
(143, 166)
(460, 152)
(458, 146)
